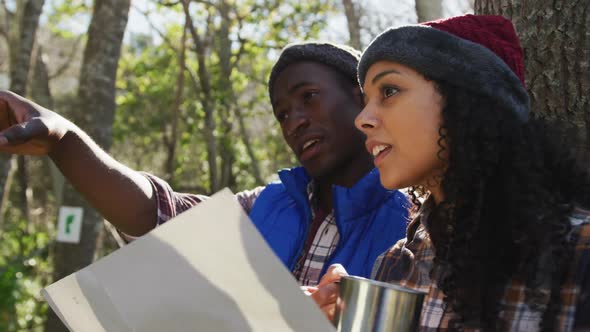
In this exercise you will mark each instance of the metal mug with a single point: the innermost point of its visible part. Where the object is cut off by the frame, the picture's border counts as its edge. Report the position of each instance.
(366, 305)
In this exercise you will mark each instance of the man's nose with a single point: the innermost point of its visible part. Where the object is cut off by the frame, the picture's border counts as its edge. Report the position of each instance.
(296, 120)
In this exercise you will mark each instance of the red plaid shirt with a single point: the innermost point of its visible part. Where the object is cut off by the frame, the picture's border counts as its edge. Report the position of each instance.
(410, 261)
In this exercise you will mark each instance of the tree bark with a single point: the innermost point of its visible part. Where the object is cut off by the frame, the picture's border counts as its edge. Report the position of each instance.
(172, 139)
(22, 40)
(556, 42)
(254, 162)
(95, 114)
(224, 51)
(353, 19)
(428, 10)
(42, 177)
(206, 100)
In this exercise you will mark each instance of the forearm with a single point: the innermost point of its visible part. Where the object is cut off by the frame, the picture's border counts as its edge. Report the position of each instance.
(123, 196)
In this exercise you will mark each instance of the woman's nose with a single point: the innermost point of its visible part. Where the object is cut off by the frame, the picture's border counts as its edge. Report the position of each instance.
(366, 119)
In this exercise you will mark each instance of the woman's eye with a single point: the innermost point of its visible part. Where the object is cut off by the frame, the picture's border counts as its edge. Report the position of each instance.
(389, 91)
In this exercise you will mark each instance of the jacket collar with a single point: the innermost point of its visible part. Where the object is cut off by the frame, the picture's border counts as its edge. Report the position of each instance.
(366, 195)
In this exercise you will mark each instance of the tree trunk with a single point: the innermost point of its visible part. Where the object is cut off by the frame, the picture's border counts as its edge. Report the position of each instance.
(206, 100)
(353, 19)
(23, 190)
(96, 100)
(224, 51)
(42, 178)
(254, 163)
(554, 35)
(172, 139)
(428, 10)
(8, 168)
(22, 39)
(41, 93)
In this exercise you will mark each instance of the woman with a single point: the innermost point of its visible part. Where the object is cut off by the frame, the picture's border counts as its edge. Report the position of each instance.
(501, 242)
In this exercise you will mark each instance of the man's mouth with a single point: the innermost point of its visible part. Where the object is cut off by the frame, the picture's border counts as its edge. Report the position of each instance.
(310, 148)
(308, 144)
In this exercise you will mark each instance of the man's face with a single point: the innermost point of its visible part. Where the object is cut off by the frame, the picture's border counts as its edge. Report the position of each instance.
(316, 111)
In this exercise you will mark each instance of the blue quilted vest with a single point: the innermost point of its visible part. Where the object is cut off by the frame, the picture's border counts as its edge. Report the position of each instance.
(370, 219)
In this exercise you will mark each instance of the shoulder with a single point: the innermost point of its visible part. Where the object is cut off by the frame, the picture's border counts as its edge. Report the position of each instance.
(580, 216)
(580, 233)
(399, 199)
(248, 197)
(409, 261)
(580, 220)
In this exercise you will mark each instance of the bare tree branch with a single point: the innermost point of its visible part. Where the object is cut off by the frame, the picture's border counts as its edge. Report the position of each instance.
(353, 18)
(8, 19)
(169, 43)
(153, 27)
(68, 61)
(168, 3)
(178, 98)
(241, 41)
(4, 34)
(205, 85)
(5, 7)
(208, 3)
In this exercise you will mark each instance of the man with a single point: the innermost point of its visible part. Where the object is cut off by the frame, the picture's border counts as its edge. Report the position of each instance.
(331, 210)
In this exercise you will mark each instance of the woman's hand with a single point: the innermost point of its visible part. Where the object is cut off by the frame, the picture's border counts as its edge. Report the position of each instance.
(326, 293)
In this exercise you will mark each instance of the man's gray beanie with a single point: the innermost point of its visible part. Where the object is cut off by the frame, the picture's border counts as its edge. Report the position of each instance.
(340, 57)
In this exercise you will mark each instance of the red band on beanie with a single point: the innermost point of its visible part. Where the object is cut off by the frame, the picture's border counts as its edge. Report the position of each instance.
(494, 32)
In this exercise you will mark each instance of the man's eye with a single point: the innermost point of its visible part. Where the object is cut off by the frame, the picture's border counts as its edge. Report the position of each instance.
(281, 116)
(309, 95)
(389, 91)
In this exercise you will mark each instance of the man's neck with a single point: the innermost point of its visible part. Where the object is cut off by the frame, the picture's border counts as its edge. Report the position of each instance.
(345, 177)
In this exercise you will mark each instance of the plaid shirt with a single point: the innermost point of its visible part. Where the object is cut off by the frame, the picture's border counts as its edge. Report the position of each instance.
(324, 238)
(410, 261)
(307, 270)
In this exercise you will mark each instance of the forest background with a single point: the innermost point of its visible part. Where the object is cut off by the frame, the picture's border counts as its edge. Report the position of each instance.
(178, 89)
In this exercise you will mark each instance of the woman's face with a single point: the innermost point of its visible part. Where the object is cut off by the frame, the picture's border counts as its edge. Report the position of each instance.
(401, 119)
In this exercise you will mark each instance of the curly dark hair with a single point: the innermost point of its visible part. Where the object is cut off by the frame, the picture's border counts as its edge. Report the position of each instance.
(508, 190)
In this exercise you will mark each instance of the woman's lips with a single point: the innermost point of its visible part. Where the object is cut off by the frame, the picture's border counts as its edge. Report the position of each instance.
(380, 152)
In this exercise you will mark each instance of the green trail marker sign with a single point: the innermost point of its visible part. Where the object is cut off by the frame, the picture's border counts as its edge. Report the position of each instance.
(69, 224)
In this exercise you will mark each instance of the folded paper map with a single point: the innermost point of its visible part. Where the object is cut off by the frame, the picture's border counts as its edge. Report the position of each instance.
(206, 270)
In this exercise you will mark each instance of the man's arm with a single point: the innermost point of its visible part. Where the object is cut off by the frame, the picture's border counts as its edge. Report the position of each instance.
(122, 195)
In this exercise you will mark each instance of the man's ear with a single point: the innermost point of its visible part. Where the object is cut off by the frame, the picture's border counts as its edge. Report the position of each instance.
(358, 96)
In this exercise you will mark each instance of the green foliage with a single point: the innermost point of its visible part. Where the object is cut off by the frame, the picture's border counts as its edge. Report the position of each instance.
(256, 30)
(147, 83)
(67, 18)
(239, 52)
(24, 270)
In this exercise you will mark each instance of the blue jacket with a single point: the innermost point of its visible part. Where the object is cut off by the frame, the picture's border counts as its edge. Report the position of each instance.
(370, 219)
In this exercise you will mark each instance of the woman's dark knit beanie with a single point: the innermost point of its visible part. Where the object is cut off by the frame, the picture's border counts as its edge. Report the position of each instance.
(481, 53)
